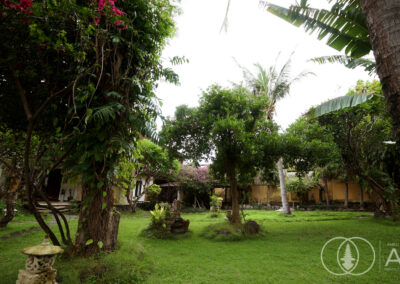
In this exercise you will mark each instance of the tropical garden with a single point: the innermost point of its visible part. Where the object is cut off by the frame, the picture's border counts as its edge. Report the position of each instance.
(157, 198)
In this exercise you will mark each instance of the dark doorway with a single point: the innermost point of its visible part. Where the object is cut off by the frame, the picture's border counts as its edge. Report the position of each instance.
(54, 184)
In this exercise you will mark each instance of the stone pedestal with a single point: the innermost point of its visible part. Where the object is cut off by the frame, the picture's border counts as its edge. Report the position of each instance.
(39, 265)
(46, 277)
(175, 224)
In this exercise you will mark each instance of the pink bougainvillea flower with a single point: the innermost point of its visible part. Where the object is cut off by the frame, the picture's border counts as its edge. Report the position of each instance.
(24, 6)
(117, 11)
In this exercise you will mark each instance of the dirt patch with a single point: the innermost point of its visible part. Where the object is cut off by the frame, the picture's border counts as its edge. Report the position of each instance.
(20, 233)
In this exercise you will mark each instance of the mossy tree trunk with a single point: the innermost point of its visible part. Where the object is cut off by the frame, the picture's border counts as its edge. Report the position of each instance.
(98, 221)
(383, 21)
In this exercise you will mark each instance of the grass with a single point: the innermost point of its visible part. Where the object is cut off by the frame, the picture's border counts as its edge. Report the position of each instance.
(287, 252)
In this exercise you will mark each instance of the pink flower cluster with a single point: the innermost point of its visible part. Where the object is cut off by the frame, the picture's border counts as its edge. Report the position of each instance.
(24, 6)
(110, 4)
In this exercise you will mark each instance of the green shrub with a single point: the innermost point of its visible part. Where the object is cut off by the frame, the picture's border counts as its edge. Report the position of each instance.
(155, 233)
(157, 216)
(153, 191)
(216, 201)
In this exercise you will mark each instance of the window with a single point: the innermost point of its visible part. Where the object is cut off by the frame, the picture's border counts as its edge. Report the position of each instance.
(138, 189)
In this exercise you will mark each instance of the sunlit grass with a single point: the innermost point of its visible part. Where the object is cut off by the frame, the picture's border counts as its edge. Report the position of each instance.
(287, 252)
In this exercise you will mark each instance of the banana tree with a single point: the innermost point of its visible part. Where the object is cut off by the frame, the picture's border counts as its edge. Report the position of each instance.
(357, 27)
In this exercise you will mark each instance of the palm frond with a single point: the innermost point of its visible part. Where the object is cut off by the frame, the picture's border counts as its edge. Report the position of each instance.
(350, 62)
(224, 26)
(344, 24)
(107, 113)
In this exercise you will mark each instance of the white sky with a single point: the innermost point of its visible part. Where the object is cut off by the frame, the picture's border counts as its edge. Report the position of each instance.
(254, 36)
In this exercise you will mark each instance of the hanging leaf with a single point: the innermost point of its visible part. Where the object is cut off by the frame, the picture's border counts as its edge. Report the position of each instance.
(341, 103)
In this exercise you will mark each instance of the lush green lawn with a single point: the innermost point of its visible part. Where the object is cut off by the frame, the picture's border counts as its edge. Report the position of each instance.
(288, 252)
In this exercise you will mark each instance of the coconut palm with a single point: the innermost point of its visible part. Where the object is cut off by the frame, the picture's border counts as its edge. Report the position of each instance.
(273, 83)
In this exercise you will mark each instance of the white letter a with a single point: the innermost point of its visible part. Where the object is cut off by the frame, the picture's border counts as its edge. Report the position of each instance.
(395, 259)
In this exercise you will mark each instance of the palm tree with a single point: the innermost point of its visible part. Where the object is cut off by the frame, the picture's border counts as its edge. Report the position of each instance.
(275, 84)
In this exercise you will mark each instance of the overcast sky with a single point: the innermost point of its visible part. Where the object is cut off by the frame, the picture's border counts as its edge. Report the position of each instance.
(253, 36)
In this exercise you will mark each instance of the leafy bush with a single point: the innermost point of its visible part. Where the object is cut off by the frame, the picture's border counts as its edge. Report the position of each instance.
(153, 191)
(167, 208)
(155, 232)
(216, 201)
(157, 216)
(300, 185)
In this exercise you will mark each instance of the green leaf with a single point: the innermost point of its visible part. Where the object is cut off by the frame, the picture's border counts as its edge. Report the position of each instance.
(100, 244)
(103, 206)
(104, 193)
(88, 242)
(100, 184)
(344, 25)
(341, 103)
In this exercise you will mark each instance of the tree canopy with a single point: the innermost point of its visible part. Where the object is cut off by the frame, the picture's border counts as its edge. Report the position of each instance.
(84, 71)
(228, 126)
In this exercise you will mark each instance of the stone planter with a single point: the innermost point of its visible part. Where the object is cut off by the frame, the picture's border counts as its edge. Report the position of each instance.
(168, 221)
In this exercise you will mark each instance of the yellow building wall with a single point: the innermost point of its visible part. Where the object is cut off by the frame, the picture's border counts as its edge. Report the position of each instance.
(259, 194)
(336, 190)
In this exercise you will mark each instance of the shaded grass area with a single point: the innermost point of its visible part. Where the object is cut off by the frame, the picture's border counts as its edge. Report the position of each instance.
(22, 222)
(287, 252)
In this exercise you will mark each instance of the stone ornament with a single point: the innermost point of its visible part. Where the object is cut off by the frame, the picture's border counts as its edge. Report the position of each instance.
(175, 224)
(39, 265)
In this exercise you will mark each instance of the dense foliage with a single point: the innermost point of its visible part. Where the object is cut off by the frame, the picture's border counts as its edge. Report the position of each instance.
(87, 71)
(196, 184)
(229, 128)
(351, 144)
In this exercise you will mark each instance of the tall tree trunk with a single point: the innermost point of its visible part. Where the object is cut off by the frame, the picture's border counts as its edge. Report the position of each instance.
(98, 221)
(268, 202)
(383, 21)
(285, 203)
(234, 196)
(346, 196)
(326, 192)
